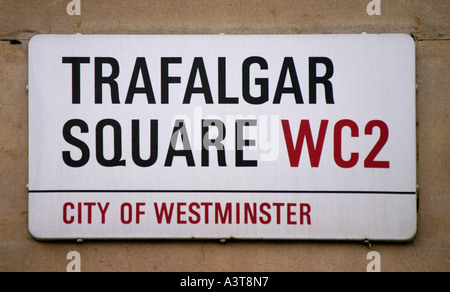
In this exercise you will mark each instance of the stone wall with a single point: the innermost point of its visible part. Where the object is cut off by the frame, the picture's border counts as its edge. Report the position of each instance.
(427, 21)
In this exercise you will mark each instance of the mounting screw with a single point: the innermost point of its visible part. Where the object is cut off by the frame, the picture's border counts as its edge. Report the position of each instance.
(366, 241)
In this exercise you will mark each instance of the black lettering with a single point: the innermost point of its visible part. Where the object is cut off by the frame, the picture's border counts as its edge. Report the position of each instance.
(198, 66)
(262, 82)
(76, 75)
(288, 66)
(325, 80)
(116, 160)
(140, 66)
(136, 144)
(223, 99)
(75, 142)
(179, 130)
(241, 142)
(206, 142)
(111, 79)
(166, 79)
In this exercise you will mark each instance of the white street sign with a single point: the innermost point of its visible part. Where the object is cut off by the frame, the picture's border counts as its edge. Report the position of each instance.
(249, 137)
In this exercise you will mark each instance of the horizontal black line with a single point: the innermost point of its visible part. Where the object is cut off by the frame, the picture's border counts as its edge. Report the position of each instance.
(225, 191)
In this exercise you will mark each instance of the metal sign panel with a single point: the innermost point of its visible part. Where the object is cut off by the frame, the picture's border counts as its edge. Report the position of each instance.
(250, 137)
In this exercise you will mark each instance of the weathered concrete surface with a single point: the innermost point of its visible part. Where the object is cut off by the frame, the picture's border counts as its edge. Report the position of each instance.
(427, 20)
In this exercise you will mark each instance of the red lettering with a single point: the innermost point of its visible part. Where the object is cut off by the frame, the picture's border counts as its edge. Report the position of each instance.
(103, 211)
(221, 215)
(224, 213)
(338, 143)
(139, 212)
(129, 212)
(249, 213)
(384, 136)
(206, 205)
(72, 218)
(80, 205)
(179, 213)
(305, 209)
(163, 213)
(290, 213)
(89, 207)
(195, 213)
(262, 208)
(304, 133)
(278, 206)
